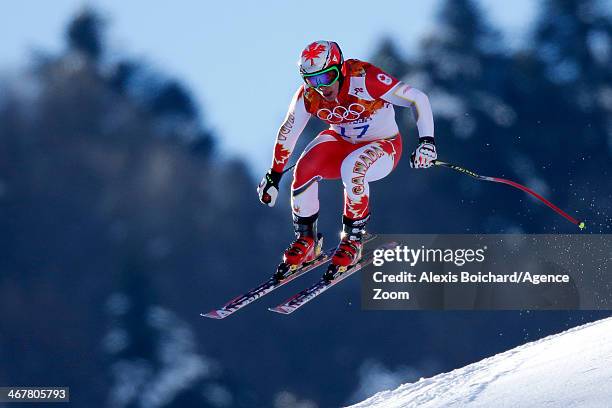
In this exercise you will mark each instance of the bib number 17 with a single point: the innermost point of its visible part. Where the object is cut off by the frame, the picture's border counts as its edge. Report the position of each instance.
(363, 128)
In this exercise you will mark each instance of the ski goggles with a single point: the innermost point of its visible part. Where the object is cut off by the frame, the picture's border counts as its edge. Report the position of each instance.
(327, 77)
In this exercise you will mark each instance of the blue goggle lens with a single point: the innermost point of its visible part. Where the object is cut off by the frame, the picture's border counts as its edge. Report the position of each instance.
(324, 78)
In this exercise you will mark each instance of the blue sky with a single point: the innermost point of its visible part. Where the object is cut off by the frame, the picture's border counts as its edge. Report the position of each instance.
(239, 58)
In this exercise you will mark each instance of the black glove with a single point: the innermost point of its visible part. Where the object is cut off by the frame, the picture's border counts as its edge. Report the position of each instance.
(425, 154)
(268, 188)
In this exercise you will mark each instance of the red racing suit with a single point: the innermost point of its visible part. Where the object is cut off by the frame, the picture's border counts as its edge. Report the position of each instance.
(362, 143)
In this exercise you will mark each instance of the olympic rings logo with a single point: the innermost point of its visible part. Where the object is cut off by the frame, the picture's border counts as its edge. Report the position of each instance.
(340, 114)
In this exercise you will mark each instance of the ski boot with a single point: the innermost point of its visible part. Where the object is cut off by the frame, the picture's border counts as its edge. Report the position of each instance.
(350, 249)
(305, 249)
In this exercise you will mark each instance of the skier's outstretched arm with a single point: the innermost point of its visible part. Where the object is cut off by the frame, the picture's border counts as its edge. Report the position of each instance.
(404, 95)
(288, 134)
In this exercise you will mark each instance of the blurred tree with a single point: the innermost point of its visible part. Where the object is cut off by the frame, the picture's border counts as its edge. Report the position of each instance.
(463, 69)
(173, 99)
(152, 353)
(574, 42)
(84, 34)
(571, 54)
(123, 73)
(389, 58)
(92, 160)
(463, 60)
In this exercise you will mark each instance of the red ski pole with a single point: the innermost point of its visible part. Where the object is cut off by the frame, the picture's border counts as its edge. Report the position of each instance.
(559, 211)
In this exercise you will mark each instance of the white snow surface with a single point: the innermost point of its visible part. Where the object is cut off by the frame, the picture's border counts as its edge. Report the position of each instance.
(570, 369)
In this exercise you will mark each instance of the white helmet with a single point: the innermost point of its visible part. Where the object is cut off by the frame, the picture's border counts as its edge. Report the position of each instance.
(320, 55)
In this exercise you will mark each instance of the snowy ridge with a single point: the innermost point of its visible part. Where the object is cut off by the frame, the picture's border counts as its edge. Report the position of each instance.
(570, 369)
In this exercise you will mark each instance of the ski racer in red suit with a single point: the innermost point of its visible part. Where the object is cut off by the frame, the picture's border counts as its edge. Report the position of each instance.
(362, 145)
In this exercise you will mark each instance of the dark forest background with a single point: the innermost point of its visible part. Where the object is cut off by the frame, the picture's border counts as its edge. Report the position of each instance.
(120, 223)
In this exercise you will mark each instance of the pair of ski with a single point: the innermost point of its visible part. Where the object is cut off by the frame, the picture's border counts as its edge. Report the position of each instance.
(301, 298)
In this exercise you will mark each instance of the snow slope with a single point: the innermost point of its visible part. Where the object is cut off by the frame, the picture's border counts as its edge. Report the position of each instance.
(570, 369)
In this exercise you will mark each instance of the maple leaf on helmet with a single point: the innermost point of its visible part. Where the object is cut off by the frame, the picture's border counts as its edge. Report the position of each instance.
(313, 51)
(320, 55)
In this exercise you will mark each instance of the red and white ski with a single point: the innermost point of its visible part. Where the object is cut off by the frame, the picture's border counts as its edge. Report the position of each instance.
(300, 299)
(268, 286)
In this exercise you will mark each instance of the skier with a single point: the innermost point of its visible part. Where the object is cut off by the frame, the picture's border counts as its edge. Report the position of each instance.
(362, 145)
